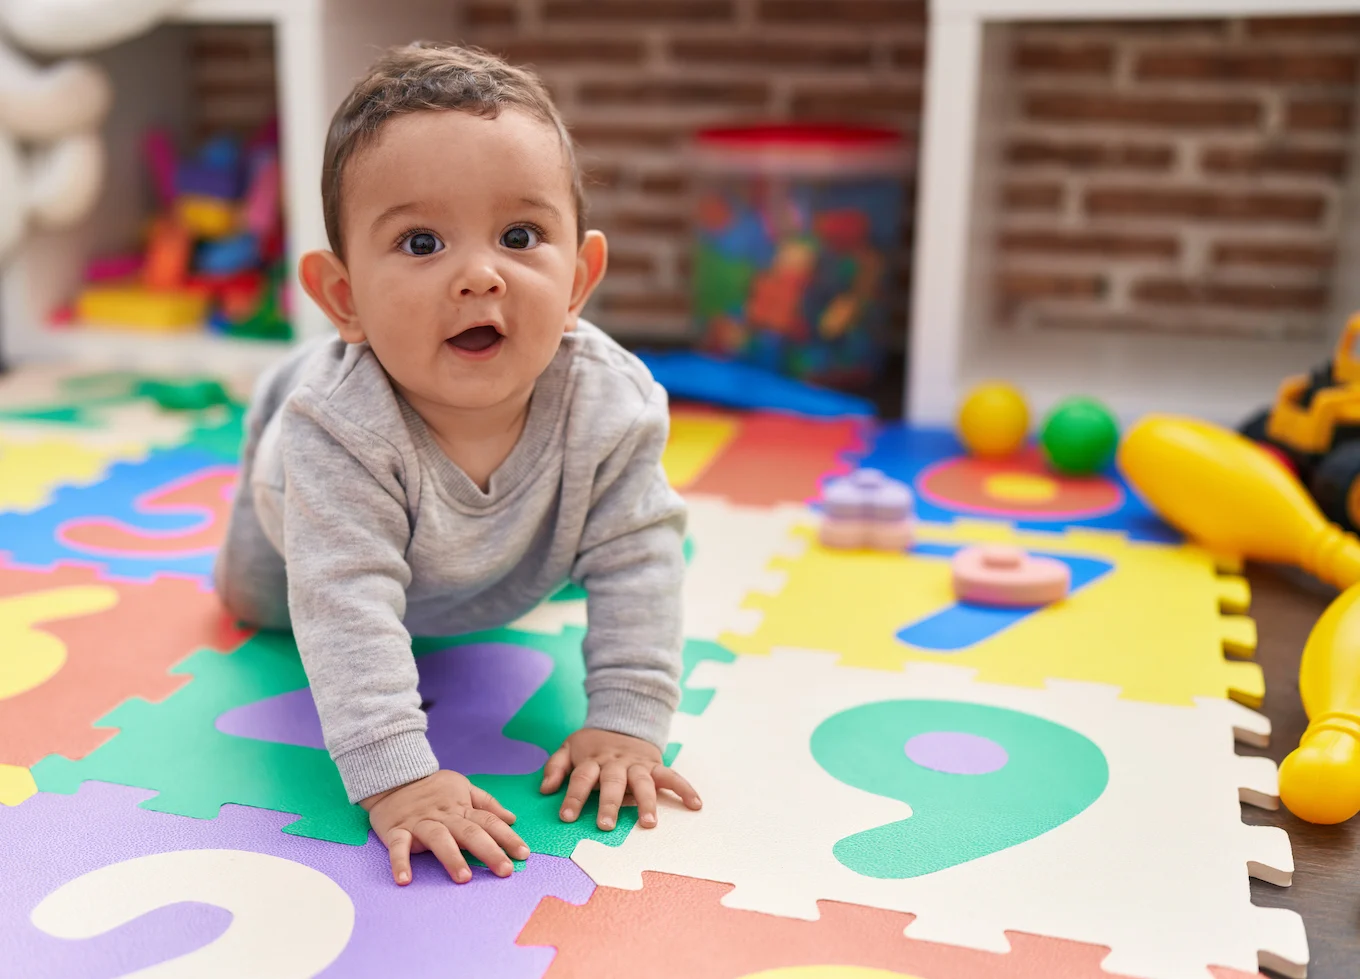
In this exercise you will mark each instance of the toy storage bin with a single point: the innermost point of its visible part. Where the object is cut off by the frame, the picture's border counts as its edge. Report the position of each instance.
(795, 241)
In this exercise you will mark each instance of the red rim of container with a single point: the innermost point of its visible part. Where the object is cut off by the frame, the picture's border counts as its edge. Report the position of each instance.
(792, 136)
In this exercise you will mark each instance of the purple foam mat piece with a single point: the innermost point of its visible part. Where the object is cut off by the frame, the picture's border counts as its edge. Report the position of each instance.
(473, 691)
(431, 927)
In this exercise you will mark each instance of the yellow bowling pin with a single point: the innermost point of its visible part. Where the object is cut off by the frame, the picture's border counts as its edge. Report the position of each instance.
(1225, 492)
(1320, 780)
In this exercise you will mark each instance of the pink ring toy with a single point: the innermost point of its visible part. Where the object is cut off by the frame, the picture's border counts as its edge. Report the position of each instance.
(1008, 577)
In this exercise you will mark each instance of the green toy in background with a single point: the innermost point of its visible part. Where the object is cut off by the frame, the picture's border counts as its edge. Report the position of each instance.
(1079, 436)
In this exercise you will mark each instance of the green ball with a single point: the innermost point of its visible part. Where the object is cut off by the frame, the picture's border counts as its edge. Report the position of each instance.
(1079, 436)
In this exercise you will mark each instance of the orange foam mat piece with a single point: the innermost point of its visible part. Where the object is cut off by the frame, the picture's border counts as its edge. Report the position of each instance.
(776, 459)
(101, 642)
(676, 928)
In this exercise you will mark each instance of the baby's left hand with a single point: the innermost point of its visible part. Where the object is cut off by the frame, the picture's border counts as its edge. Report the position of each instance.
(620, 764)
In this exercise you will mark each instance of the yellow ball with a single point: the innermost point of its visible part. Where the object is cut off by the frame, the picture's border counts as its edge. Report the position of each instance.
(993, 421)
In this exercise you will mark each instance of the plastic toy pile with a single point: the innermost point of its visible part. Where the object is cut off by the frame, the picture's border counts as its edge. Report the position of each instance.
(212, 255)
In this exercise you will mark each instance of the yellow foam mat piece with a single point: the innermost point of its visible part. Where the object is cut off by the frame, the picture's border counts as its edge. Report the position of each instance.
(29, 656)
(1154, 626)
(31, 469)
(16, 785)
(695, 441)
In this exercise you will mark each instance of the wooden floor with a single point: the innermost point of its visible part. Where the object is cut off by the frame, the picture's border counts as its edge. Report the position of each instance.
(1326, 888)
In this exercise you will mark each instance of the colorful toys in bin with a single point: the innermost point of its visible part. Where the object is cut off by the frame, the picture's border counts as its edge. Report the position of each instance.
(867, 509)
(796, 229)
(1078, 437)
(213, 252)
(1001, 576)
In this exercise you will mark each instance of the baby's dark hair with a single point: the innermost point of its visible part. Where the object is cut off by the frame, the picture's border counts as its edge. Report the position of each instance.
(425, 76)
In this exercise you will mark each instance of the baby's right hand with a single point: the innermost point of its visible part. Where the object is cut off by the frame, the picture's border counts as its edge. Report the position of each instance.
(444, 812)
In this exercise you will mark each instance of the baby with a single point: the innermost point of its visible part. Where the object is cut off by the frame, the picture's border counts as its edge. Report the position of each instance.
(463, 447)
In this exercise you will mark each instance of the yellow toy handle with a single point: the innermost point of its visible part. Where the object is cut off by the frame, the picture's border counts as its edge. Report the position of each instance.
(1225, 492)
(1320, 780)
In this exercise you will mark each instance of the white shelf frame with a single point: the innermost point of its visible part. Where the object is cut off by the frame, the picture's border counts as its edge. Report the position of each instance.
(951, 343)
(320, 46)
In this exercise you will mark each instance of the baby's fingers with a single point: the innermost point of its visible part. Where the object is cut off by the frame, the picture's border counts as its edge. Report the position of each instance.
(399, 852)
(665, 778)
(506, 837)
(613, 784)
(579, 789)
(485, 800)
(439, 841)
(644, 793)
(556, 770)
(479, 843)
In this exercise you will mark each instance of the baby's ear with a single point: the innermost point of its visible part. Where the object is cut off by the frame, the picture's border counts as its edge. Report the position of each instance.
(591, 259)
(326, 280)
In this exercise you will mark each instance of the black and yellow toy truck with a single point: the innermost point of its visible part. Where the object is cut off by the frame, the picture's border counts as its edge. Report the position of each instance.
(1315, 425)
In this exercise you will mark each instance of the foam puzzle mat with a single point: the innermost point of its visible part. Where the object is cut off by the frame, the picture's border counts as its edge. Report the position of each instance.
(896, 785)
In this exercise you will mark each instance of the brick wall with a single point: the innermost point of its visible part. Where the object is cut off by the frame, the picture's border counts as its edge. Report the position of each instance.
(1183, 176)
(1175, 177)
(635, 77)
(233, 78)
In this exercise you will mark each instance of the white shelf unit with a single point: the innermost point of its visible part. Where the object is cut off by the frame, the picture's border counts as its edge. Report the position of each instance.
(320, 46)
(952, 343)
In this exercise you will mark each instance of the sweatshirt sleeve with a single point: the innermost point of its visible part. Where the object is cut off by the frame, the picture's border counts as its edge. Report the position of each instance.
(631, 563)
(345, 534)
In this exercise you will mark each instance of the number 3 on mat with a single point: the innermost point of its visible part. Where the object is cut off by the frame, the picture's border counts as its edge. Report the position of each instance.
(288, 921)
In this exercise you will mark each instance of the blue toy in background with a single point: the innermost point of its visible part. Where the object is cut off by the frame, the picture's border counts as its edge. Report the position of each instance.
(732, 384)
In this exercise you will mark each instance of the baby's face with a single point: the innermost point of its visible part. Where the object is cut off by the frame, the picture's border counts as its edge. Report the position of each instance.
(460, 241)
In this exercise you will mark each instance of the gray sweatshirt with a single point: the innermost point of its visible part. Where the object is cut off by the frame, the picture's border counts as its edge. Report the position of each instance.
(348, 507)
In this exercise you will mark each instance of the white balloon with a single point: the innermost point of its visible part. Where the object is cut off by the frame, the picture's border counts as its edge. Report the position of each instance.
(39, 104)
(64, 180)
(13, 195)
(54, 27)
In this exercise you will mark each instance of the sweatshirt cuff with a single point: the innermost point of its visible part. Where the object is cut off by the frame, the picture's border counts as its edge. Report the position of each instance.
(627, 712)
(386, 764)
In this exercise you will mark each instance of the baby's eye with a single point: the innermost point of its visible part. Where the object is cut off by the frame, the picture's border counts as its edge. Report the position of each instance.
(421, 243)
(520, 237)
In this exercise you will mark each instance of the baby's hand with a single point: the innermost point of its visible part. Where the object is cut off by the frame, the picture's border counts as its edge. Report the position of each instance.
(444, 812)
(619, 763)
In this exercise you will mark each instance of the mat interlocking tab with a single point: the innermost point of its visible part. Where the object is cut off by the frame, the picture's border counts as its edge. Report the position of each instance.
(1157, 625)
(163, 515)
(98, 653)
(1153, 864)
(681, 930)
(144, 888)
(177, 749)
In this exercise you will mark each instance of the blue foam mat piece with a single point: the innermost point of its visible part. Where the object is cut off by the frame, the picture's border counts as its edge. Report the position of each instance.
(955, 628)
(732, 384)
(31, 538)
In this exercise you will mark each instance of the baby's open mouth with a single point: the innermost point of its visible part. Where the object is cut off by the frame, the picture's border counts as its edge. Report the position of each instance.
(477, 339)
